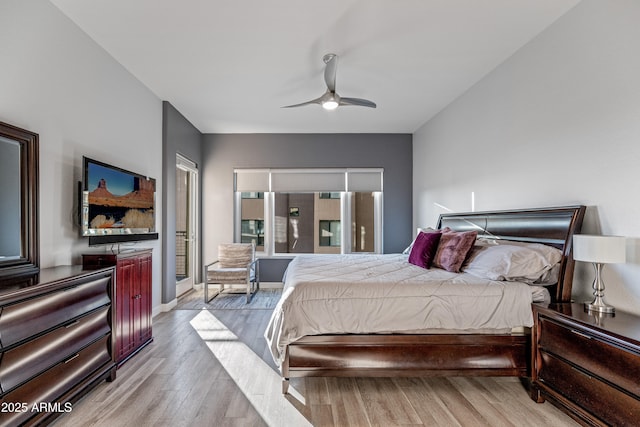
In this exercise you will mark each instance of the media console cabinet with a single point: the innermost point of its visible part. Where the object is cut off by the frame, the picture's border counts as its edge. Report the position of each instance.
(132, 298)
(55, 342)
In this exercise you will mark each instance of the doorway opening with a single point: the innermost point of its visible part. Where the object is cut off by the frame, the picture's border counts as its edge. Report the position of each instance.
(186, 224)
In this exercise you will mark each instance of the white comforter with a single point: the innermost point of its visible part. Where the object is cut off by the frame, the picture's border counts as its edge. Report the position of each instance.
(358, 294)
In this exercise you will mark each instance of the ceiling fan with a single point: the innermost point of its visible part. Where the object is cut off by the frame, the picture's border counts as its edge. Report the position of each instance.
(330, 100)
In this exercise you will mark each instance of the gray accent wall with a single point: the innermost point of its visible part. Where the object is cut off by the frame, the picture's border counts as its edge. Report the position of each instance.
(221, 153)
(179, 136)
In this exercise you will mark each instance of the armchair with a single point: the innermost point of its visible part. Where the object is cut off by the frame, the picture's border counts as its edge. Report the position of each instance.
(236, 265)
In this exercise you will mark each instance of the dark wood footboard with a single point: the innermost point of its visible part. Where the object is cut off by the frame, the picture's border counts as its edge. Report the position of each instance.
(408, 356)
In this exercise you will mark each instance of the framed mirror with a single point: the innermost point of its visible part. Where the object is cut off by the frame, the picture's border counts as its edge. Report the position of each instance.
(19, 240)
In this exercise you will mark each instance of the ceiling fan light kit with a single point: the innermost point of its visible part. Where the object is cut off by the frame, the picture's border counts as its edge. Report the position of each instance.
(330, 100)
(330, 105)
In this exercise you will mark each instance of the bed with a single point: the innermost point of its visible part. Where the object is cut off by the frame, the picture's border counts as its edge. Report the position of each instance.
(340, 332)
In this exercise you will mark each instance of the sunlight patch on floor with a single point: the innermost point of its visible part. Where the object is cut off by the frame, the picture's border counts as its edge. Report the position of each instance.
(259, 383)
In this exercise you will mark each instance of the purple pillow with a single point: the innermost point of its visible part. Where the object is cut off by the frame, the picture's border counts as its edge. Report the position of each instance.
(453, 249)
(424, 249)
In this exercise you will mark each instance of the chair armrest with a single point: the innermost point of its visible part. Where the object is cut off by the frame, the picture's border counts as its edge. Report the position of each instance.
(206, 268)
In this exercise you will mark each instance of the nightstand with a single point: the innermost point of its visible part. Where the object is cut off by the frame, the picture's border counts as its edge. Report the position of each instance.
(587, 364)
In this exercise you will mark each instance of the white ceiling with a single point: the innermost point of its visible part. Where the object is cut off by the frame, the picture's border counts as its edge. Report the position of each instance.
(229, 65)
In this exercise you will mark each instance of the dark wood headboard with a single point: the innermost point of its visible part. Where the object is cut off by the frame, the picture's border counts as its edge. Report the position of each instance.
(551, 226)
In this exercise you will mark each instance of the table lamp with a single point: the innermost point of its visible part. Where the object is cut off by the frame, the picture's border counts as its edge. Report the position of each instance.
(599, 250)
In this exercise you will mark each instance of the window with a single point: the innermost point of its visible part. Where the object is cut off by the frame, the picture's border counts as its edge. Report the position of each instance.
(252, 219)
(289, 211)
(252, 232)
(363, 209)
(298, 218)
(252, 195)
(329, 195)
(329, 233)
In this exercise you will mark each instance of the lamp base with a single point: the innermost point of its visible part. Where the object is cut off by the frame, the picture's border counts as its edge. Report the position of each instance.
(598, 303)
(599, 306)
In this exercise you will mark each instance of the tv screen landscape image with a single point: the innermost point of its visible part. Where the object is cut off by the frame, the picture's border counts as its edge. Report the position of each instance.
(117, 205)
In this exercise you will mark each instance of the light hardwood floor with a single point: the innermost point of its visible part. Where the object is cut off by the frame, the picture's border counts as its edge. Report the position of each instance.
(212, 368)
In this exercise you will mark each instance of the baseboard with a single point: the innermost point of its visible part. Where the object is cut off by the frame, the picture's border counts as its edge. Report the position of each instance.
(163, 308)
(263, 285)
(271, 285)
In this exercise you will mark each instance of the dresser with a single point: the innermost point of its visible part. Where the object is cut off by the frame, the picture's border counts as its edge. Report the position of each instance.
(587, 364)
(132, 298)
(55, 342)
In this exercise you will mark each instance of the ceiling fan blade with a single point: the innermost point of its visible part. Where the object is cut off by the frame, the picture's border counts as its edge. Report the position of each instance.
(331, 59)
(330, 99)
(302, 104)
(357, 101)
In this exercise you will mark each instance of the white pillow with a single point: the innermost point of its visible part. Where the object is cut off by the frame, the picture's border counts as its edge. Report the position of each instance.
(513, 261)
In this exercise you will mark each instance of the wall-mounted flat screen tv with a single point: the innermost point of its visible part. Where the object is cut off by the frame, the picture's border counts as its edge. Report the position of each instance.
(116, 205)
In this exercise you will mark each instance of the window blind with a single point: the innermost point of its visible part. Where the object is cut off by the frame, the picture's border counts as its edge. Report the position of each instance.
(252, 180)
(364, 181)
(308, 180)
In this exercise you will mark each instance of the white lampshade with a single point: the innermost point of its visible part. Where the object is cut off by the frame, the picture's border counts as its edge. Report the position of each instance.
(599, 249)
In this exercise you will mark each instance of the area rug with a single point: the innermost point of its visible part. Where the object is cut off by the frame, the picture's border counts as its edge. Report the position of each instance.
(264, 299)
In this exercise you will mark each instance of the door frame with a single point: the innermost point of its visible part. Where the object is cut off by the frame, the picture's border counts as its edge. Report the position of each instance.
(191, 167)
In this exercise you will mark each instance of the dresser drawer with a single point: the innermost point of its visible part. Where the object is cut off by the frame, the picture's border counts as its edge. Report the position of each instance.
(28, 360)
(55, 382)
(614, 364)
(25, 319)
(596, 397)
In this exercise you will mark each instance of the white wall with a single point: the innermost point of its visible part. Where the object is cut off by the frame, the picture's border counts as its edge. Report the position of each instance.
(55, 81)
(558, 123)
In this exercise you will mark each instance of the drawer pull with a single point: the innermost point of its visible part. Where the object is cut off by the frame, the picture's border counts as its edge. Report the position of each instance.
(72, 357)
(583, 335)
(72, 324)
